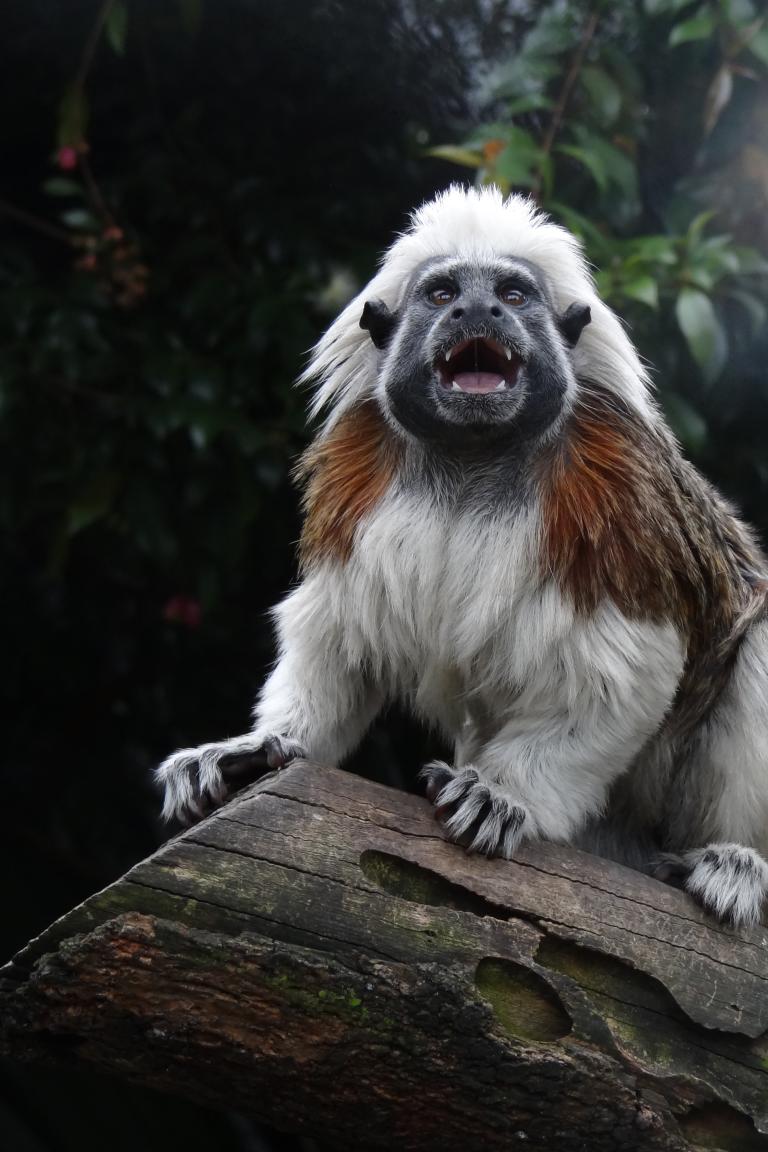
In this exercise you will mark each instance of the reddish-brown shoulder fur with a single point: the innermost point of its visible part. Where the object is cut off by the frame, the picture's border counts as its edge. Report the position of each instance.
(625, 517)
(346, 473)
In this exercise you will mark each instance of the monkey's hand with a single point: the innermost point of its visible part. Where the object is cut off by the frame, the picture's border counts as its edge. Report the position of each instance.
(197, 780)
(480, 815)
(729, 880)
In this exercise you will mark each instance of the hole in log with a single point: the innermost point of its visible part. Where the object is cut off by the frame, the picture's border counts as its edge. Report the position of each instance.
(412, 882)
(524, 1004)
(642, 1014)
(607, 976)
(722, 1127)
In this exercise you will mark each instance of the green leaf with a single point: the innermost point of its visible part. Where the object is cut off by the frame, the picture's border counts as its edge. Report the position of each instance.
(603, 92)
(722, 261)
(738, 12)
(535, 62)
(80, 219)
(590, 160)
(115, 27)
(751, 262)
(697, 226)
(699, 27)
(654, 249)
(581, 225)
(643, 288)
(517, 168)
(758, 45)
(662, 7)
(518, 162)
(456, 155)
(496, 130)
(758, 313)
(702, 278)
(714, 243)
(72, 118)
(533, 103)
(522, 141)
(615, 165)
(703, 332)
(61, 186)
(552, 33)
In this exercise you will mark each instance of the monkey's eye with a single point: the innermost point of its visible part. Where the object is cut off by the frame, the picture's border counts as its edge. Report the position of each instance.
(441, 295)
(512, 296)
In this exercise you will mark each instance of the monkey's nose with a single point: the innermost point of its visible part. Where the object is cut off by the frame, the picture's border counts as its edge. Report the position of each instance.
(478, 312)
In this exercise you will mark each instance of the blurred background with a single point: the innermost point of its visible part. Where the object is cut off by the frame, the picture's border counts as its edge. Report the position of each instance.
(189, 191)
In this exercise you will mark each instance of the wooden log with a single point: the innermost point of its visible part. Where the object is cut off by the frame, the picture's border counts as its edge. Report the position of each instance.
(317, 954)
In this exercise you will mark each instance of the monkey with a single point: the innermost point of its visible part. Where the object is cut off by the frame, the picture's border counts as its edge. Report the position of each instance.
(501, 531)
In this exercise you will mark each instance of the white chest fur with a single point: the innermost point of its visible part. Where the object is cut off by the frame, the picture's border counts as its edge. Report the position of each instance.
(450, 611)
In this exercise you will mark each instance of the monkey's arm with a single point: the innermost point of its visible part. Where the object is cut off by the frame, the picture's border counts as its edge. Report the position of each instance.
(318, 702)
(549, 766)
(319, 693)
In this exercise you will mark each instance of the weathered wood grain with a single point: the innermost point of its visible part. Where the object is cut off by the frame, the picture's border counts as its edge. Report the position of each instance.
(318, 954)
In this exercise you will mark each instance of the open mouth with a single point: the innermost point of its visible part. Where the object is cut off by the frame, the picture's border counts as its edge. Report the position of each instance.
(478, 366)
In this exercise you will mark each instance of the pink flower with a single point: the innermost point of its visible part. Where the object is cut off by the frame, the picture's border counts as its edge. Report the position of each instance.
(185, 610)
(66, 158)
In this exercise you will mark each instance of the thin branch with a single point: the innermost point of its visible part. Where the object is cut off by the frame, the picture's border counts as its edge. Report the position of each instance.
(35, 222)
(744, 39)
(97, 201)
(92, 43)
(568, 85)
(95, 197)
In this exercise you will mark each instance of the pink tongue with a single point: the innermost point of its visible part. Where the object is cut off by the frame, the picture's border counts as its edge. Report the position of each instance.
(477, 381)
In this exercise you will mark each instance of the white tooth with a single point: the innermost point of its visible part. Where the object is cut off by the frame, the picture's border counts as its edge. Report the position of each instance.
(500, 386)
(448, 354)
(455, 387)
(509, 353)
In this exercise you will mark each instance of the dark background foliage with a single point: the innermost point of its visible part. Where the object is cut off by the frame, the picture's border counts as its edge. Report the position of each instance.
(189, 192)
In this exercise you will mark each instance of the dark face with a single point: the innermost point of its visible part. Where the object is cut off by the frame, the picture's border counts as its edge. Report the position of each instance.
(475, 353)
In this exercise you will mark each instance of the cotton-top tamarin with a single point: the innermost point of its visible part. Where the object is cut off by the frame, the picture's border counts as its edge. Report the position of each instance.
(501, 532)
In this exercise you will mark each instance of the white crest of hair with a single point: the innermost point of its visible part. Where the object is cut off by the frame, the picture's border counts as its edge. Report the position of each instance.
(479, 224)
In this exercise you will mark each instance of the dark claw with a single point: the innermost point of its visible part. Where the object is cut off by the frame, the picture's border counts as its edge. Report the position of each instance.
(467, 838)
(435, 777)
(475, 814)
(198, 780)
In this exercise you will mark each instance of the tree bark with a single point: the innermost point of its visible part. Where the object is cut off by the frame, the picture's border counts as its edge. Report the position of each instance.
(317, 954)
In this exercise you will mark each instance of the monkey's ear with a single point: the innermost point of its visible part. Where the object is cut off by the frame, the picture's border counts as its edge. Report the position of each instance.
(378, 321)
(573, 322)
